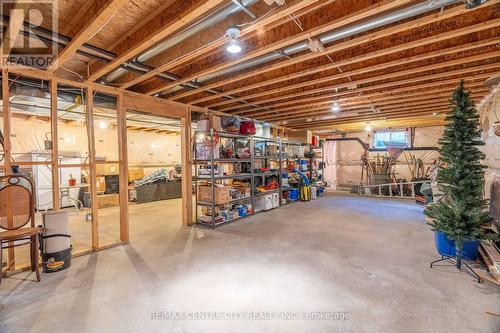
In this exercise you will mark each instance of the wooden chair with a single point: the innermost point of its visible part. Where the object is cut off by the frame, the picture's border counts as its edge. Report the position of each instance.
(17, 209)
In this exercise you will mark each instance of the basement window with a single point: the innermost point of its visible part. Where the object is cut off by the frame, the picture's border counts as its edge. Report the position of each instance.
(395, 136)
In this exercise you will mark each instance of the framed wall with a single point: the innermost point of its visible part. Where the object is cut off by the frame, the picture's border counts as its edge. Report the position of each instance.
(91, 161)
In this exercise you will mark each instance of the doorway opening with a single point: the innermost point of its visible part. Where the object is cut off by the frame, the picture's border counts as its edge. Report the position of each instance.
(154, 175)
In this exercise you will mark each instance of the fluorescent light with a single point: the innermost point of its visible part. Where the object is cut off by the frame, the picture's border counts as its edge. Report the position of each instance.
(233, 47)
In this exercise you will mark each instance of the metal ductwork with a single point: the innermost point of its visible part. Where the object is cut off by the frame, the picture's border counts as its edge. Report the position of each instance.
(191, 30)
(137, 66)
(336, 35)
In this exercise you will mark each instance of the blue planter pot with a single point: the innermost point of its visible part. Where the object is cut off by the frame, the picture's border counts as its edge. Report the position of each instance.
(446, 246)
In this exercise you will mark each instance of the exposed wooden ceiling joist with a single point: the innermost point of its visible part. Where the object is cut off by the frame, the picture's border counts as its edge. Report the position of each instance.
(433, 101)
(214, 42)
(282, 91)
(175, 17)
(94, 19)
(472, 74)
(370, 11)
(381, 53)
(13, 28)
(379, 105)
(433, 18)
(352, 94)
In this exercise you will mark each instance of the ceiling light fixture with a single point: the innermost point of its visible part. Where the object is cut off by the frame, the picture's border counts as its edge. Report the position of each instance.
(470, 4)
(335, 107)
(103, 124)
(233, 47)
(278, 2)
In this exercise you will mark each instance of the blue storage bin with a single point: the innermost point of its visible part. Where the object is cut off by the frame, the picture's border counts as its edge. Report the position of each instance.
(446, 246)
(293, 194)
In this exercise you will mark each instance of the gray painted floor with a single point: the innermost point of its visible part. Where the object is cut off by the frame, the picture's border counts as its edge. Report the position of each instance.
(365, 258)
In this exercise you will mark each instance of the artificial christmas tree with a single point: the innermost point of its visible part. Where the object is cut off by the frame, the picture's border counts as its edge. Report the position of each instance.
(462, 210)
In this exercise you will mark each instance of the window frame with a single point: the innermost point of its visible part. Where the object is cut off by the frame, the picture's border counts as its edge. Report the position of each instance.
(390, 131)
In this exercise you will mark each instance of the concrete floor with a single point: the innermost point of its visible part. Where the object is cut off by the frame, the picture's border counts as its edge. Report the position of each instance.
(367, 258)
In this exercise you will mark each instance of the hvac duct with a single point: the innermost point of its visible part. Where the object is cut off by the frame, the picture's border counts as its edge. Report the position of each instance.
(338, 34)
(193, 29)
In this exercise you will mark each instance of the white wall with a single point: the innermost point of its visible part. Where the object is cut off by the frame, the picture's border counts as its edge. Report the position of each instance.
(490, 113)
(347, 161)
(143, 147)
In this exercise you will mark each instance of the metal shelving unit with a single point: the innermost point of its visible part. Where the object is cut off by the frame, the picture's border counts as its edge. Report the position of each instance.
(264, 159)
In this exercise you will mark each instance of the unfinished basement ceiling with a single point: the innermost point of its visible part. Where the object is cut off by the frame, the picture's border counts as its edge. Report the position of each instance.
(383, 61)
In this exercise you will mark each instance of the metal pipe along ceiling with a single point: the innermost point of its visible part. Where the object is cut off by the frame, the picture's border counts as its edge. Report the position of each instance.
(338, 34)
(191, 30)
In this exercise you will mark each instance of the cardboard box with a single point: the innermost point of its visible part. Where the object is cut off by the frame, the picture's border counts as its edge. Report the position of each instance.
(217, 124)
(107, 169)
(203, 125)
(244, 190)
(135, 174)
(100, 184)
(221, 194)
(108, 200)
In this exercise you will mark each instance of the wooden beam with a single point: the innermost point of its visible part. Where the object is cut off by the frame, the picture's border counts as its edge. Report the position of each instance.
(366, 112)
(432, 18)
(96, 17)
(387, 123)
(367, 12)
(92, 166)
(187, 171)
(375, 79)
(361, 101)
(16, 20)
(156, 105)
(373, 55)
(282, 12)
(54, 136)
(351, 94)
(178, 15)
(410, 71)
(123, 166)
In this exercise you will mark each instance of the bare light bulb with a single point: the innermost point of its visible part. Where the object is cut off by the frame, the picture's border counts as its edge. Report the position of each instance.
(335, 107)
(233, 47)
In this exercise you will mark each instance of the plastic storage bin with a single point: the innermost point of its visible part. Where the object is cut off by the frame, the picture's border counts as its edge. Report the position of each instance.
(446, 246)
(276, 200)
(293, 194)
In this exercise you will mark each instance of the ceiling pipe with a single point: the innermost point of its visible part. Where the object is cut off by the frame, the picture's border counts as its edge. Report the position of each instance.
(336, 35)
(191, 30)
(198, 26)
(329, 37)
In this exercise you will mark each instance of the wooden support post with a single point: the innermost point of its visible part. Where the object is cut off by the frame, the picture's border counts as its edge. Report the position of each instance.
(187, 170)
(123, 156)
(7, 116)
(92, 165)
(56, 200)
